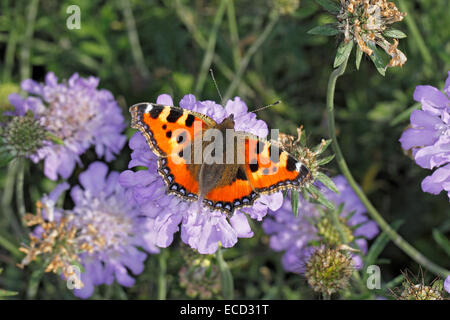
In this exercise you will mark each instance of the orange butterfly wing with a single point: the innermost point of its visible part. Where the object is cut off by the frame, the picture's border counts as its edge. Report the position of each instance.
(267, 169)
(236, 195)
(168, 130)
(270, 169)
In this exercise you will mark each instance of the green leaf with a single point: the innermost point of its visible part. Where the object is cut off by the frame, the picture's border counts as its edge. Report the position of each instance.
(404, 115)
(6, 293)
(327, 182)
(95, 49)
(79, 265)
(303, 138)
(329, 29)
(359, 55)
(321, 148)
(294, 202)
(395, 282)
(442, 241)
(325, 160)
(378, 58)
(438, 285)
(34, 282)
(329, 5)
(319, 197)
(394, 33)
(343, 52)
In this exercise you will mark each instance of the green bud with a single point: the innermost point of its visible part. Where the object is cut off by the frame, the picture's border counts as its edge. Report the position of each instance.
(327, 231)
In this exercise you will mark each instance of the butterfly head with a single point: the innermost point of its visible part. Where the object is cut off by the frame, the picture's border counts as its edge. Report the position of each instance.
(228, 122)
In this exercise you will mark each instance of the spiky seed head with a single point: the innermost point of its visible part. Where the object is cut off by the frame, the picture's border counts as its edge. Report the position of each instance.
(419, 292)
(328, 270)
(23, 136)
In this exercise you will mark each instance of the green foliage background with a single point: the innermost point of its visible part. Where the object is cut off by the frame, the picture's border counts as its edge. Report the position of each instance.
(291, 65)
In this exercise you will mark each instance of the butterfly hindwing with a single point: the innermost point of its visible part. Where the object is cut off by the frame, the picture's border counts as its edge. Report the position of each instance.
(237, 193)
(270, 168)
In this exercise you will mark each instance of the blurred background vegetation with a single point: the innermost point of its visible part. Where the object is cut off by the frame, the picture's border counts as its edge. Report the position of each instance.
(140, 49)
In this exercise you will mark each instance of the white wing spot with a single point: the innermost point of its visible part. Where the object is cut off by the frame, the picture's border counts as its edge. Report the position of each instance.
(298, 165)
(149, 108)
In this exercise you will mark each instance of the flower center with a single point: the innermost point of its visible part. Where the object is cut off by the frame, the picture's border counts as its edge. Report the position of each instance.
(65, 119)
(102, 224)
(443, 129)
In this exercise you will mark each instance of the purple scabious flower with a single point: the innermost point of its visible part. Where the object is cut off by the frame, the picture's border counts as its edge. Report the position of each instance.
(77, 114)
(201, 228)
(109, 229)
(429, 136)
(112, 226)
(296, 235)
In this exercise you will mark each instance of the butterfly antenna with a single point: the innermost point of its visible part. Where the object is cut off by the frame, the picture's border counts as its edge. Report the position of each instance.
(268, 106)
(215, 84)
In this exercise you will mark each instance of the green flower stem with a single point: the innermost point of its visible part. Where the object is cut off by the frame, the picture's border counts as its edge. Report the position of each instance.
(9, 54)
(394, 236)
(225, 276)
(198, 37)
(162, 284)
(133, 37)
(234, 35)
(414, 30)
(20, 200)
(249, 54)
(209, 53)
(25, 67)
(10, 218)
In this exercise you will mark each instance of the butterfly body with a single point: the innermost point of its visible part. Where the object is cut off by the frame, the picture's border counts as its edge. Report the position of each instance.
(200, 159)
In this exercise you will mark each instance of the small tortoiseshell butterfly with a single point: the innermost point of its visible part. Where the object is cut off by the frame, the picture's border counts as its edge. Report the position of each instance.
(174, 134)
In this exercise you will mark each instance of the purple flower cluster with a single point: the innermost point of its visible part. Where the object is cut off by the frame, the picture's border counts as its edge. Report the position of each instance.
(201, 228)
(295, 235)
(109, 223)
(429, 136)
(76, 113)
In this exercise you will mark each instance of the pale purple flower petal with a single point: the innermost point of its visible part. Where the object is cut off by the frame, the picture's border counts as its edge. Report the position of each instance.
(435, 183)
(429, 136)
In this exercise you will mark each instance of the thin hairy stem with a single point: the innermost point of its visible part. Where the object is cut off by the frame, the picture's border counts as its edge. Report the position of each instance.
(25, 67)
(234, 34)
(249, 54)
(198, 37)
(133, 37)
(209, 53)
(393, 235)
